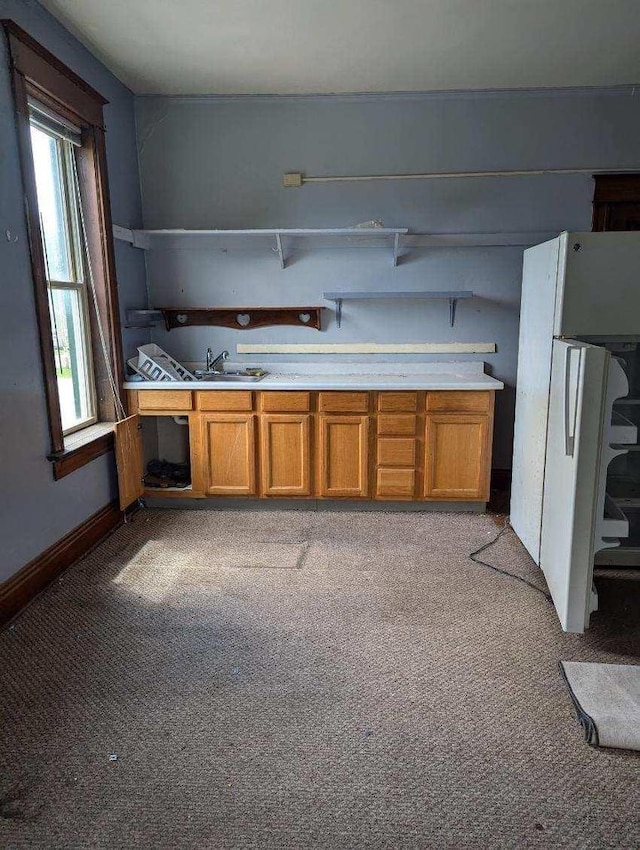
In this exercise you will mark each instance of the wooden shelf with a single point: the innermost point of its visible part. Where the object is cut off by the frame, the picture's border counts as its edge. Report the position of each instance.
(238, 318)
(452, 295)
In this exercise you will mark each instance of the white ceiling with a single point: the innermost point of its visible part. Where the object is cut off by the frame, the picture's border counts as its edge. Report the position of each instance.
(309, 46)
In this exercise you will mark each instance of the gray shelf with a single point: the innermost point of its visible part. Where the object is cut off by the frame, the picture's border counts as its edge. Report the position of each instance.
(451, 295)
(143, 318)
(142, 238)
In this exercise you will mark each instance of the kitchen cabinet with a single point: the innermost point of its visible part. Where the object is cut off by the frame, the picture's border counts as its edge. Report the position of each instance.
(395, 483)
(161, 400)
(457, 451)
(458, 430)
(129, 460)
(343, 456)
(328, 444)
(224, 400)
(229, 449)
(285, 466)
(397, 446)
(285, 402)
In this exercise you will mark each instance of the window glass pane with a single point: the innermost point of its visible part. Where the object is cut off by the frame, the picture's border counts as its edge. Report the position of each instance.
(72, 364)
(51, 204)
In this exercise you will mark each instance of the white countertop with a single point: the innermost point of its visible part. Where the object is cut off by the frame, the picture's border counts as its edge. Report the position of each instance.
(345, 376)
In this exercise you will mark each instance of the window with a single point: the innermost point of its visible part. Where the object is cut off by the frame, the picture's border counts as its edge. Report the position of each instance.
(65, 269)
(60, 126)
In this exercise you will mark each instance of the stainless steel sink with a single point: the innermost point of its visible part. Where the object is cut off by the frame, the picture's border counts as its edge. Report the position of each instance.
(223, 377)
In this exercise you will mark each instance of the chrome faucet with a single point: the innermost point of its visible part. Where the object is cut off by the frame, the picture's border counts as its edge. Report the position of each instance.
(214, 363)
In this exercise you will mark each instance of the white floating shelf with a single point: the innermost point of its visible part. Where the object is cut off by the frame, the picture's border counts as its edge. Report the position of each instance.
(142, 238)
(368, 237)
(451, 295)
(284, 231)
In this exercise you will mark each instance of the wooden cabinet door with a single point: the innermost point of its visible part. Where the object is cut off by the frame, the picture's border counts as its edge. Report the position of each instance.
(229, 449)
(343, 456)
(129, 460)
(457, 456)
(284, 454)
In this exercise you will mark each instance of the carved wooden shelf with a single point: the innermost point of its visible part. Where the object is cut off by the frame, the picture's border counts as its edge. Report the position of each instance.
(242, 318)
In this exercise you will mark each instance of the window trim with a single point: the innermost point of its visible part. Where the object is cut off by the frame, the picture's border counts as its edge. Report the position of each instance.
(78, 281)
(39, 75)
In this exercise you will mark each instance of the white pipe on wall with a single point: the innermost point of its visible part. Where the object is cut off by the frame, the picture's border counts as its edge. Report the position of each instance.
(296, 179)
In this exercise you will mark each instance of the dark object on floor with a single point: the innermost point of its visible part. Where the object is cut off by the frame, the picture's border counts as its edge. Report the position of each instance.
(163, 473)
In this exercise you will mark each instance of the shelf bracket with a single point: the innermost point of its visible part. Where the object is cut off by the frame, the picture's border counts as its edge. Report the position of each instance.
(279, 250)
(338, 312)
(134, 237)
(396, 249)
(452, 311)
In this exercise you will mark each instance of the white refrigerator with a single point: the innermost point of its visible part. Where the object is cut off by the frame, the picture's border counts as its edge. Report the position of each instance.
(579, 333)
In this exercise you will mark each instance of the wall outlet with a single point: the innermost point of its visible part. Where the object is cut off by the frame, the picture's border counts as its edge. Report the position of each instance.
(292, 178)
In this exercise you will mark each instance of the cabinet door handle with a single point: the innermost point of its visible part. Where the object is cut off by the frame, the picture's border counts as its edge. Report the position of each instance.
(570, 410)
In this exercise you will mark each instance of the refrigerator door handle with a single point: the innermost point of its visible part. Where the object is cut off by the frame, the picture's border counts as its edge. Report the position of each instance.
(570, 409)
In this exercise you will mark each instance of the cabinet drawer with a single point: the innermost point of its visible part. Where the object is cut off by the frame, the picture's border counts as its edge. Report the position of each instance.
(398, 402)
(459, 401)
(164, 400)
(396, 451)
(284, 402)
(398, 483)
(224, 400)
(396, 425)
(341, 402)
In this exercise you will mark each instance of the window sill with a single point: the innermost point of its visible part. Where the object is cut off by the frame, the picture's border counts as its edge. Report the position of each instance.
(81, 448)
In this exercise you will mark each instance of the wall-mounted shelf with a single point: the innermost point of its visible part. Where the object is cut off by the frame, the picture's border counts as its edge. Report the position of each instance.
(238, 318)
(452, 296)
(143, 238)
(143, 318)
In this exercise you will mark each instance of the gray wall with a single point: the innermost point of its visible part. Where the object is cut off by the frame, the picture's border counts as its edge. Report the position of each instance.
(35, 510)
(218, 163)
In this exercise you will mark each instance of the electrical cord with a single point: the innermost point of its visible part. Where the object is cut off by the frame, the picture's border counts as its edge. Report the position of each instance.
(474, 557)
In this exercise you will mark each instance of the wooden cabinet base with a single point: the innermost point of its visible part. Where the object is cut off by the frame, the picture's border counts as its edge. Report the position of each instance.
(407, 446)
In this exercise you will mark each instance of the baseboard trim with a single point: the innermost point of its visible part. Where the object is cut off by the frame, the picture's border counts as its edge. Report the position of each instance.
(221, 503)
(19, 590)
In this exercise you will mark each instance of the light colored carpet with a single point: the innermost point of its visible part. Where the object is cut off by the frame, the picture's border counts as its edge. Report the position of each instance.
(607, 700)
(369, 687)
